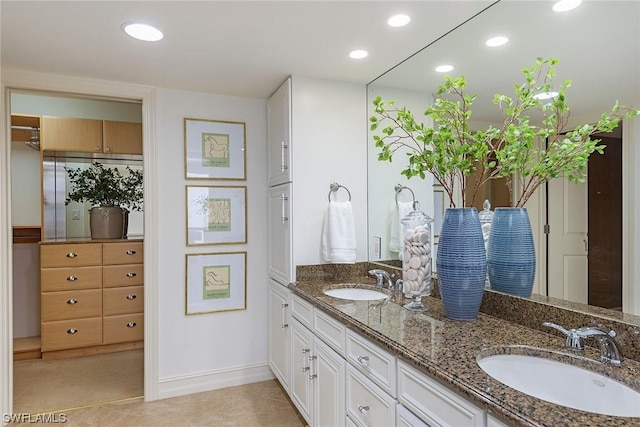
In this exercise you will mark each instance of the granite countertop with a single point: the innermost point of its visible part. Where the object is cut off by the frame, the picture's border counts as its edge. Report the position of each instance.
(447, 350)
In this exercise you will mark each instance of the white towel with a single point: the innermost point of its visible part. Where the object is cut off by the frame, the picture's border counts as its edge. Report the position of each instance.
(398, 211)
(339, 234)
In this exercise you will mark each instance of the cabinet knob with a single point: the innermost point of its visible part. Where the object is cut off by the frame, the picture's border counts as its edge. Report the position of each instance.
(107, 148)
(72, 331)
(130, 252)
(72, 278)
(72, 301)
(131, 296)
(363, 409)
(72, 255)
(131, 274)
(363, 359)
(131, 325)
(97, 148)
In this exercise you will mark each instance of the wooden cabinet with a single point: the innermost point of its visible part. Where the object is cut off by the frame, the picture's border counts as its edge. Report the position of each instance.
(279, 135)
(90, 135)
(92, 295)
(279, 332)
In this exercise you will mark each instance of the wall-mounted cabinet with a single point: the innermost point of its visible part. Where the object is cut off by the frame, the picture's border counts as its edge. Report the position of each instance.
(90, 135)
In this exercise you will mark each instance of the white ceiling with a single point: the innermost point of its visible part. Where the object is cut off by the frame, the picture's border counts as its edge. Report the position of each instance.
(242, 48)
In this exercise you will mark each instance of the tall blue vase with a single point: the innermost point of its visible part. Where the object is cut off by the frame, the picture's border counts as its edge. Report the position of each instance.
(462, 263)
(511, 257)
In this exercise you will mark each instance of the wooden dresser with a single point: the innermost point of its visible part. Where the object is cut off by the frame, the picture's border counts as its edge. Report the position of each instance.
(92, 297)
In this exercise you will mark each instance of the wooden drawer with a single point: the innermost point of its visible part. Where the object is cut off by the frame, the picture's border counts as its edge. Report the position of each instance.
(124, 328)
(330, 331)
(64, 334)
(374, 362)
(122, 253)
(67, 279)
(70, 304)
(70, 255)
(122, 275)
(367, 404)
(124, 300)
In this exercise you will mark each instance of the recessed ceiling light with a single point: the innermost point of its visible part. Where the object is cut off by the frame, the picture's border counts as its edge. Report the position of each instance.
(143, 32)
(545, 95)
(496, 41)
(358, 53)
(444, 68)
(565, 5)
(398, 20)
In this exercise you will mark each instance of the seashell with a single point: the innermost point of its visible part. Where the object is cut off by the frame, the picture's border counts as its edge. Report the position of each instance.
(414, 262)
(408, 235)
(423, 238)
(411, 274)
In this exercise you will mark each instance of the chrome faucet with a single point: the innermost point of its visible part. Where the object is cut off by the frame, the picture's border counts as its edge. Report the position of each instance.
(381, 276)
(609, 351)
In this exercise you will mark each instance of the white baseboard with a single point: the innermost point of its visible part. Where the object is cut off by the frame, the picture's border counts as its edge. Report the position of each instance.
(213, 380)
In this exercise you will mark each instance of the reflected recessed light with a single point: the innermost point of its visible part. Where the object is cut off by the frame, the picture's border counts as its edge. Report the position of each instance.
(358, 53)
(143, 32)
(399, 20)
(444, 68)
(496, 41)
(565, 5)
(545, 95)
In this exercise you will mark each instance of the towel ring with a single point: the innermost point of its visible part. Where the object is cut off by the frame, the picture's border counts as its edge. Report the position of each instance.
(399, 188)
(334, 186)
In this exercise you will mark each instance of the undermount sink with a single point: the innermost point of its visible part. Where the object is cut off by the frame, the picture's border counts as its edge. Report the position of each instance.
(563, 384)
(357, 294)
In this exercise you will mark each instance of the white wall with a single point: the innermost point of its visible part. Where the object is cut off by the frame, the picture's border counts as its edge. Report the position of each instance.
(200, 352)
(329, 145)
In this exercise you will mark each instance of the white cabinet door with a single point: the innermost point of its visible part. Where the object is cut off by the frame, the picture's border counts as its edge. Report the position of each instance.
(279, 333)
(279, 234)
(301, 388)
(328, 377)
(279, 134)
(367, 404)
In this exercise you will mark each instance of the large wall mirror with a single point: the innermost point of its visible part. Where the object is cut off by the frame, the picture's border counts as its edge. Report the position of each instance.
(598, 45)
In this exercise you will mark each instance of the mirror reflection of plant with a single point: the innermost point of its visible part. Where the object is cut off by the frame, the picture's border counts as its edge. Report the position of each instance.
(101, 186)
(451, 151)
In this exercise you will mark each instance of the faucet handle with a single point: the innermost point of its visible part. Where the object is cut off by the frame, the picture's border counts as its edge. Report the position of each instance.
(573, 339)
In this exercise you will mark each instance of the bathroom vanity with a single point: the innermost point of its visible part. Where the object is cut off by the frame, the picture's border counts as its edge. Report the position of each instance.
(364, 363)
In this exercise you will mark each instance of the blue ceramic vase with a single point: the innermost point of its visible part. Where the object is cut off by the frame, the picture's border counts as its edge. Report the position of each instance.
(511, 257)
(462, 263)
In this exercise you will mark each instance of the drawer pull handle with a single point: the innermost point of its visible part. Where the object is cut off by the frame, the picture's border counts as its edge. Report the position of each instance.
(305, 368)
(130, 252)
(131, 325)
(72, 255)
(130, 274)
(131, 296)
(72, 301)
(363, 409)
(72, 278)
(363, 359)
(72, 331)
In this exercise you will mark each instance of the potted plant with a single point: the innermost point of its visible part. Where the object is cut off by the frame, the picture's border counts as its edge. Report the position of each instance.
(112, 195)
(451, 151)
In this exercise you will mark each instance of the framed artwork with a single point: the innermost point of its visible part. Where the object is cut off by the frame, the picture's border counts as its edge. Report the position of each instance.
(216, 215)
(216, 282)
(214, 149)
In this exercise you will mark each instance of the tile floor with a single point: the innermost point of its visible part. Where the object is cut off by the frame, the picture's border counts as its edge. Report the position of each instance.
(262, 404)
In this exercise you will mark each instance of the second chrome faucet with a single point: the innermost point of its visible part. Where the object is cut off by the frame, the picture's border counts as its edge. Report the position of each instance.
(609, 351)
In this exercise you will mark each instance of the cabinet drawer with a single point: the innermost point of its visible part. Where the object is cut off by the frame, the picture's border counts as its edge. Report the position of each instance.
(67, 279)
(75, 333)
(368, 404)
(302, 310)
(122, 275)
(70, 255)
(122, 253)
(376, 363)
(70, 304)
(329, 330)
(433, 402)
(123, 300)
(124, 328)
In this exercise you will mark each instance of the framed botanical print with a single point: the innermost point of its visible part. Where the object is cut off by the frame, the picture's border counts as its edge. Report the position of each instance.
(216, 214)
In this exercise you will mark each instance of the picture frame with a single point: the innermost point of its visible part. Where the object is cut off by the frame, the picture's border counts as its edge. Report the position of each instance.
(216, 215)
(214, 149)
(215, 282)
